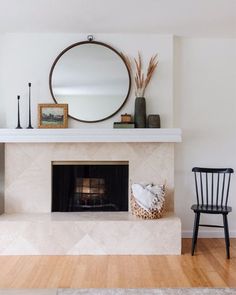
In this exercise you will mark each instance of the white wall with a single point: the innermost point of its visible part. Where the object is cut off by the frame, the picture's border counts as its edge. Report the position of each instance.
(204, 97)
(2, 182)
(29, 57)
(2, 100)
(205, 109)
(2, 123)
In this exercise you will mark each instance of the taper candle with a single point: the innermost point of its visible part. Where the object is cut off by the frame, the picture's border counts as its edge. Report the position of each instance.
(29, 126)
(18, 115)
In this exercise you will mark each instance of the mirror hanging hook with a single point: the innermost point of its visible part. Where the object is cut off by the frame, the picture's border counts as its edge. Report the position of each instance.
(90, 38)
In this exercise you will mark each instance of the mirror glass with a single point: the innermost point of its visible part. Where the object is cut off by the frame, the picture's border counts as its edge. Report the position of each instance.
(92, 78)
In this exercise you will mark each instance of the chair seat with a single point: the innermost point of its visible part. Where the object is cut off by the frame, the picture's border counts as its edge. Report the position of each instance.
(211, 209)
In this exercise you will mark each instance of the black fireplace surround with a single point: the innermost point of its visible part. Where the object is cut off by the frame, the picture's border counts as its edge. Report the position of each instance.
(89, 187)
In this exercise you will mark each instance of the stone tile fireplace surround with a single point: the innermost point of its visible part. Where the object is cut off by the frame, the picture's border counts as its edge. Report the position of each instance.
(28, 171)
(29, 228)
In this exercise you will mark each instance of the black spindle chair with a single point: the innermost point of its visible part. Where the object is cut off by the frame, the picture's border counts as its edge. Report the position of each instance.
(212, 191)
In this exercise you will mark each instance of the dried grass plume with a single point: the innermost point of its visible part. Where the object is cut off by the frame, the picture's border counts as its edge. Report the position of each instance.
(141, 80)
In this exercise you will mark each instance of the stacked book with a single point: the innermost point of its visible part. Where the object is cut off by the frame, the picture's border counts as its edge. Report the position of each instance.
(123, 125)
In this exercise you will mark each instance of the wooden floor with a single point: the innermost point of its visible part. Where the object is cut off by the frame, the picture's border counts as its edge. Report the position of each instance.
(209, 268)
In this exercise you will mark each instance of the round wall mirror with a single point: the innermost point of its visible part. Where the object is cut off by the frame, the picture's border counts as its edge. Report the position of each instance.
(92, 78)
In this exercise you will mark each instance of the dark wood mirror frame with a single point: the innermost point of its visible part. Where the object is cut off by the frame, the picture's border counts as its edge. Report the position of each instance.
(97, 43)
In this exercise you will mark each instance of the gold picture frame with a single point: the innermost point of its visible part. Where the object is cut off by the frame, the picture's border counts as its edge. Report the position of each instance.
(52, 115)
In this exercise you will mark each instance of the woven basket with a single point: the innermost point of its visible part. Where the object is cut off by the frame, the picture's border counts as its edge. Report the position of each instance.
(142, 213)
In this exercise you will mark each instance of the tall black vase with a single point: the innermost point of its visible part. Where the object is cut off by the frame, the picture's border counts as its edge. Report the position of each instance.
(140, 112)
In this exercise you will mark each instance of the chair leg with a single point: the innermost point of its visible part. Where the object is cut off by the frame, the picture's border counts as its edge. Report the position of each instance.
(195, 231)
(226, 230)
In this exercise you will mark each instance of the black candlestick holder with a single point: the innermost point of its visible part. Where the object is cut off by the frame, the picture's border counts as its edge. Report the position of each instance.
(18, 115)
(29, 126)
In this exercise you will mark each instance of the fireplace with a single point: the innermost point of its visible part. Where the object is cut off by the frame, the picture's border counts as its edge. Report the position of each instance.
(89, 186)
(28, 198)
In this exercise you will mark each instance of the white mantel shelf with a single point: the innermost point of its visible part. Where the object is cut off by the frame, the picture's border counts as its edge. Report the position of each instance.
(90, 135)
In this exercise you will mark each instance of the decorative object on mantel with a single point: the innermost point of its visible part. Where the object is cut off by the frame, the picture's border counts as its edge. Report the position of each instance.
(29, 126)
(18, 113)
(98, 66)
(140, 112)
(148, 201)
(154, 121)
(123, 125)
(126, 118)
(126, 122)
(141, 82)
(52, 115)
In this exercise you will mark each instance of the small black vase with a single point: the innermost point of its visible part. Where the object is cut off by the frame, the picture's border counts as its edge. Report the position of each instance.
(140, 112)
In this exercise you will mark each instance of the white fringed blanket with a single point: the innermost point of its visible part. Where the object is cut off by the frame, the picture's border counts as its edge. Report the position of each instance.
(149, 196)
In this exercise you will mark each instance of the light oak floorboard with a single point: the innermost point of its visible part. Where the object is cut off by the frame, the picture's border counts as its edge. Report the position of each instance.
(208, 268)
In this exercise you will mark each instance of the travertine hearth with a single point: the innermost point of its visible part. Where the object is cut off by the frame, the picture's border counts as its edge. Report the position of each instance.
(28, 168)
(99, 233)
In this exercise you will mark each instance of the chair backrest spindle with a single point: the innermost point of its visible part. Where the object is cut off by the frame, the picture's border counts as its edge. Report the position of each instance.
(207, 190)
(212, 189)
(222, 193)
(201, 188)
(217, 193)
(227, 194)
(196, 187)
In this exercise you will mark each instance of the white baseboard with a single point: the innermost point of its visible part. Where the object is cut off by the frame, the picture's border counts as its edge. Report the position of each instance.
(208, 234)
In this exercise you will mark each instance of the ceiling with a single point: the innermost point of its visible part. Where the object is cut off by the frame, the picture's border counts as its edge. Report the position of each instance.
(197, 18)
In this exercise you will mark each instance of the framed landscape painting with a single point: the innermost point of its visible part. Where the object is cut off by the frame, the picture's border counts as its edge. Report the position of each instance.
(53, 115)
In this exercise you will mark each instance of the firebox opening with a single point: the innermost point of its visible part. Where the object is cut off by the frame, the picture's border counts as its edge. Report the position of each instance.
(89, 186)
